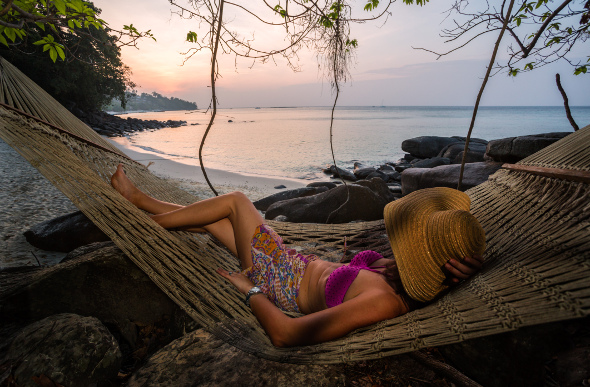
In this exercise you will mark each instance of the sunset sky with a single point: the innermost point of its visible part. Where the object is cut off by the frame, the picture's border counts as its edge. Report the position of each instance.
(388, 71)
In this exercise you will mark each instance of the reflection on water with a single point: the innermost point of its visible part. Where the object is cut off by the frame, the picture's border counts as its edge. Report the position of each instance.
(294, 142)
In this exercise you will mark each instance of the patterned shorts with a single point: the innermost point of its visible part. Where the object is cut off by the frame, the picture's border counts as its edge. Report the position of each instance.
(277, 270)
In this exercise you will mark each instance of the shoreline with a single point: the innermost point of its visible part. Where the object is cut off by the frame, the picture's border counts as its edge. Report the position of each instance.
(190, 177)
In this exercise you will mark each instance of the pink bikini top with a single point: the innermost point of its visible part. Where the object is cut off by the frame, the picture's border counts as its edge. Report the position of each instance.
(340, 279)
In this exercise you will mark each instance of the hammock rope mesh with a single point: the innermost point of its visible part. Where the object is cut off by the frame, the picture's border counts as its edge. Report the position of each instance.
(537, 267)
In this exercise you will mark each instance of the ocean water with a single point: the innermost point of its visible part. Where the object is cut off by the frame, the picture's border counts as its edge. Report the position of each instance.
(295, 142)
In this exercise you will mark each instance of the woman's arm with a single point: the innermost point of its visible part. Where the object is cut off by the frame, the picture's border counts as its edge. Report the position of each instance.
(365, 309)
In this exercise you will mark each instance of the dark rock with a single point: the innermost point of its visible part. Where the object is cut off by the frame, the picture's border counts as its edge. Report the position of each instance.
(393, 175)
(408, 157)
(513, 149)
(550, 354)
(327, 184)
(367, 199)
(377, 186)
(473, 140)
(379, 175)
(199, 359)
(472, 157)
(431, 163)
(230, 120)
(426, 146)
(358, 165)
(394, 188)
(386, 167)
(264, 203)
(344, 174)
(363, 173)
(451, 151)
(280, 186)
(447, 176)
(104, 284)
(110, 125)
(65, 233)
(69, 349)
(402, 167)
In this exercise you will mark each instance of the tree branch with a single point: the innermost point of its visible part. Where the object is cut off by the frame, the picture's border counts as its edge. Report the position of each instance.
(568, 112)
(532, 44)
(483, 86)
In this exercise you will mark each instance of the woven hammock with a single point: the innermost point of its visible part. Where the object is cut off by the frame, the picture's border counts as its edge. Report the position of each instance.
(537, 267)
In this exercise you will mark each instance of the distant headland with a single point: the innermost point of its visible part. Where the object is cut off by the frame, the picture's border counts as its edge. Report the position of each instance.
(149, 102)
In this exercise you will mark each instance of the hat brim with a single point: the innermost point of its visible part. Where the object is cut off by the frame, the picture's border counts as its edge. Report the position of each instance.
(427, 228)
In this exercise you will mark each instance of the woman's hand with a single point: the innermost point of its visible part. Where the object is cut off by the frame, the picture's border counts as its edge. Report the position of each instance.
(239, 280)
(457, 271)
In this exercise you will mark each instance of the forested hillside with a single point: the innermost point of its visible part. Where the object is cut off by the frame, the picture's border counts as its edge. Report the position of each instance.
(150, 102)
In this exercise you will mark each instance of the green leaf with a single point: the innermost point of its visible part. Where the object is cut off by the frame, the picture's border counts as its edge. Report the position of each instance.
(191, 36)
(46, 47)
(581, 70)
(41, 26)
(3, 40)
(372, 4)
(60, 52)
(529, 66)
(53, 54)
(9, 32)
(513, 72)
(60, 5)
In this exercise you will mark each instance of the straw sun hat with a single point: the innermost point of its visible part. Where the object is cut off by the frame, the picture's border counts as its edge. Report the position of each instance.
(427, 228)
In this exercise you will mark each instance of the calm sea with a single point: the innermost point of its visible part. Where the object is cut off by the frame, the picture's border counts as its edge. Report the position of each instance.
(294, 142)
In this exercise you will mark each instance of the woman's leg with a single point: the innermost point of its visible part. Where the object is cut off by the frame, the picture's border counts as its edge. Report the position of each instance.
(223, 215)
(221, 230)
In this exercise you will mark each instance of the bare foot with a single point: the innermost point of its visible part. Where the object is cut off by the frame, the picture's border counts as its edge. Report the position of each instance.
(124, 186)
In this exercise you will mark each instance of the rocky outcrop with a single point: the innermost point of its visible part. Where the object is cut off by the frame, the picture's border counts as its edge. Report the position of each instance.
(115, 126)
(338, 172)
(102, 283)
(513, 149)
(367, 199)
(200, 359)
(264, 203)
(64, 233)
(67, 349)
(425, 147)
(447, 176)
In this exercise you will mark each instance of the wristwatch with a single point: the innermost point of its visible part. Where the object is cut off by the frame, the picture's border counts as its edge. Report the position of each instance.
(251, 292)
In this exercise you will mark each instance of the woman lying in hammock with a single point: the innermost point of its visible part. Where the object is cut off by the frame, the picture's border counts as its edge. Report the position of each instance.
(434, 238)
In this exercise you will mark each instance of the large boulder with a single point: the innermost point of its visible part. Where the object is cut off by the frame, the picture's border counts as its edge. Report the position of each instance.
(367, 199)
(67, 349)
(338, 172)
(513, 149)
(363, 173)
(65, 233)
(264, 203)
(414, 179)
(426, 147)
(103, 283)
(432, 162)
(200, 359)
(453, 150)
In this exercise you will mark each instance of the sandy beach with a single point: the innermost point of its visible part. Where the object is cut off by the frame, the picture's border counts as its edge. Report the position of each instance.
(28, 198)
